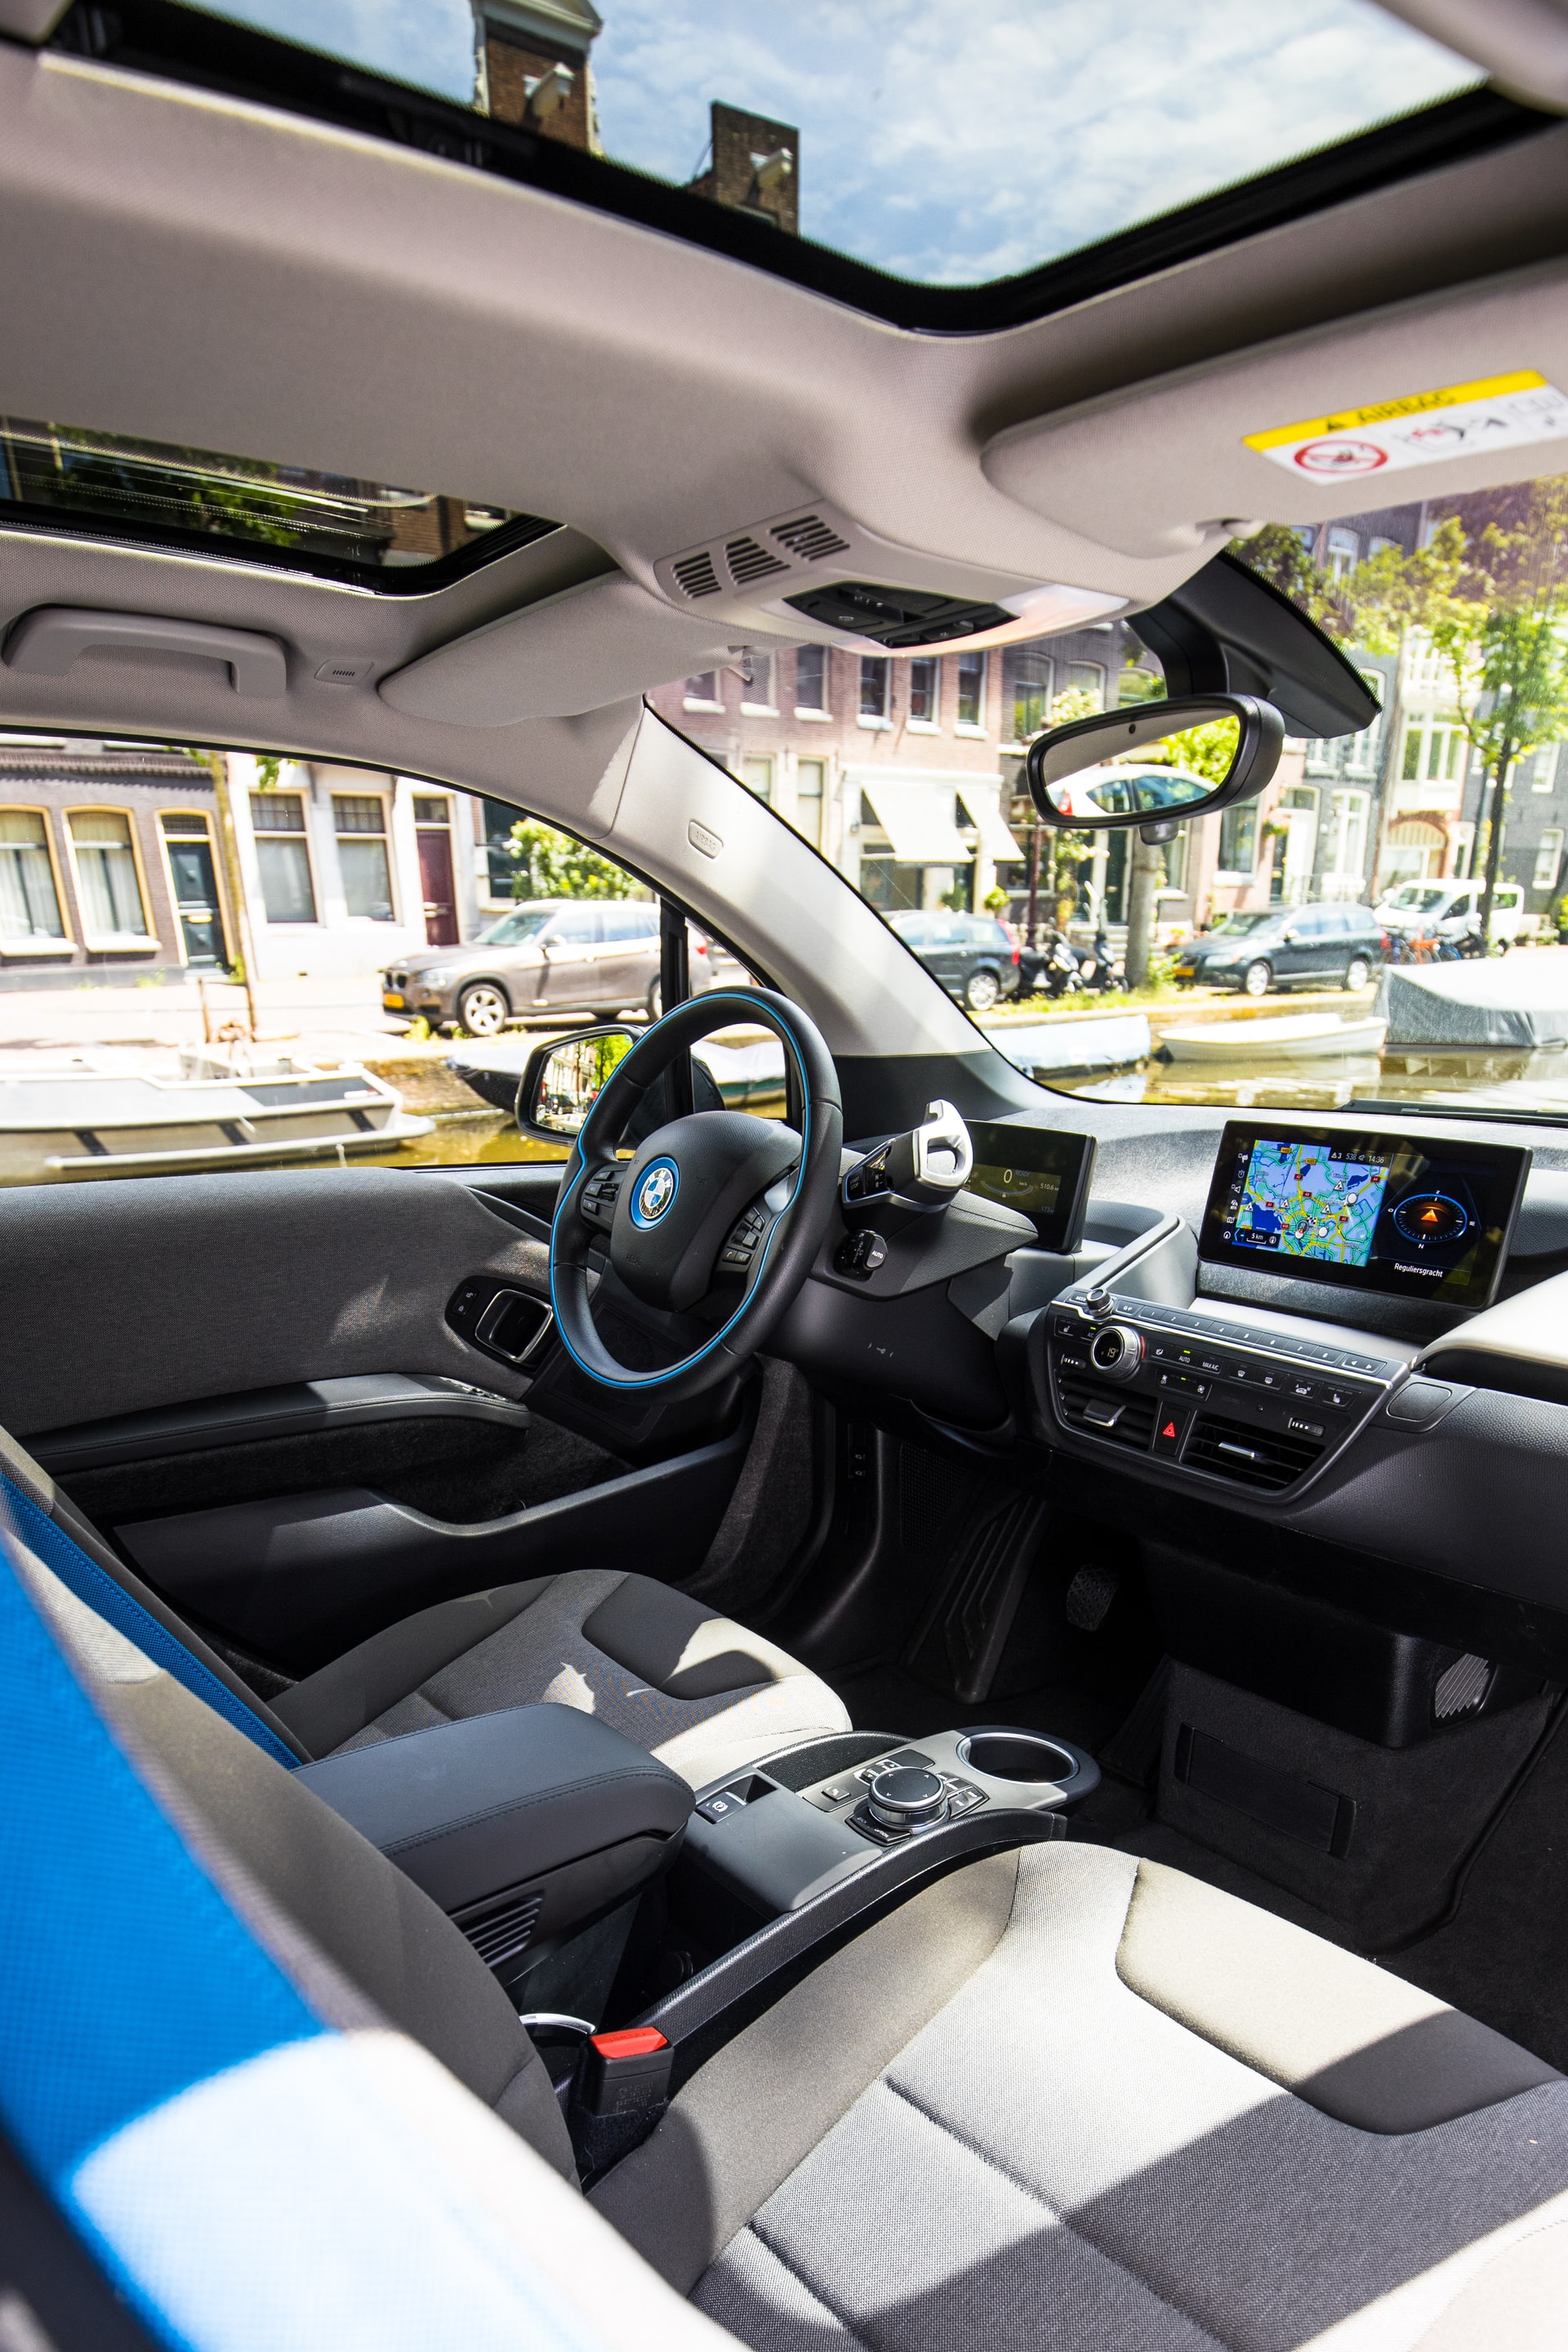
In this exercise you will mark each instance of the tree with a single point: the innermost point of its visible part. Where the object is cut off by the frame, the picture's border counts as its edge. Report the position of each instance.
(1501, 637)
(1070, 851)
(1207, 752)
(1400, 599)
(551, 865)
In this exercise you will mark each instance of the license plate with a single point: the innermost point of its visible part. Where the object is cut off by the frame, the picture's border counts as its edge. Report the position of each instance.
(391, 1002)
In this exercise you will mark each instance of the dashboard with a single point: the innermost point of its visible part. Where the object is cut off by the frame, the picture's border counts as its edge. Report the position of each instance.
(1351, 1330)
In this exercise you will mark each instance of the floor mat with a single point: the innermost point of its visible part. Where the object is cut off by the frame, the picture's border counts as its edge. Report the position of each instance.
(1504, 1955)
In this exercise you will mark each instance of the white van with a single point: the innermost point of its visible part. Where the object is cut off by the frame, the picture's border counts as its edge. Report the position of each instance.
(1451, 909)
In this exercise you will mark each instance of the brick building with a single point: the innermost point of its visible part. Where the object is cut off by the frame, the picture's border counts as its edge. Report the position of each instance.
(109, 863)
(535, 69)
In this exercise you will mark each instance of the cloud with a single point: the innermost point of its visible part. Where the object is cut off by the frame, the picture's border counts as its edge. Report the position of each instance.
(956, 146)
(429, 43)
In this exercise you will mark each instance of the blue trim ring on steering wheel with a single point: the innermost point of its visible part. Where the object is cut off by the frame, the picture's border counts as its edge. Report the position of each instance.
(568, 1201)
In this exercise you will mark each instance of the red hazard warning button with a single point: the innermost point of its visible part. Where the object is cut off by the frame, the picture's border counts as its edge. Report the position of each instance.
(1171, 1429)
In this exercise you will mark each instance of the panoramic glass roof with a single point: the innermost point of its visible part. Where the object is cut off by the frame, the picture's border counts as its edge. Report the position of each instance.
(64, 477)
(949, 148)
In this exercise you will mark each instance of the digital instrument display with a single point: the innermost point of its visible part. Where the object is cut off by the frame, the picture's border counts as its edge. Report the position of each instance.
(1414, 1217)
(1043, 1172)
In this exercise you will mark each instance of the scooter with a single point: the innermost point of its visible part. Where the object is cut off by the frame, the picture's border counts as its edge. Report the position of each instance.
(1060, 973)
(1099, 973)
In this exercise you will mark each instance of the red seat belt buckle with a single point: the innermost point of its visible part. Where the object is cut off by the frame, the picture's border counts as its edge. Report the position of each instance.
(625, 2071)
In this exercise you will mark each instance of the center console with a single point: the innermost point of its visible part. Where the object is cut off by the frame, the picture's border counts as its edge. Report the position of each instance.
(763, 1844)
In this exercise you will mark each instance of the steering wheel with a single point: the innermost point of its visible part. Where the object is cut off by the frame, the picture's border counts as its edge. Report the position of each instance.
(719, 1213)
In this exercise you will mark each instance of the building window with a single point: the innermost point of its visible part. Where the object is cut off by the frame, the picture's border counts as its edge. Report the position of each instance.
(1027, 678)
(1088, 677)
(1239, 838)
(702, 691)
(874, 669)
(925, 693)
(972, 690)
(359, 820)
(1348, 848)
(429, 809)
(811, 678)
(29, 901)
(810, 794)
(1377, 546)
(1434, 753)
(1544, 778)
(111, 887)
(759, 694)
(1343, 552)
(757, 775)
(1548, 859)
(282, 854)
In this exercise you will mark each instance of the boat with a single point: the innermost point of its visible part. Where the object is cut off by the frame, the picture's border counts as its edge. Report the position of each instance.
(1291, 1038)
(99, 1115)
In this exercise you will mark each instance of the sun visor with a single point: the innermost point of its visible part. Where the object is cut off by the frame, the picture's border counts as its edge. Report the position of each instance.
(591, 645)
(917, 819)
(1226, 631)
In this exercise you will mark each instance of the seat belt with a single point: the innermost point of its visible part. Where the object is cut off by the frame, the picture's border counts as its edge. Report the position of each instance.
(108, 1599)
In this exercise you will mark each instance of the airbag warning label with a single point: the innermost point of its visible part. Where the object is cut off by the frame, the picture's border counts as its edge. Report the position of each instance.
(1424, 428)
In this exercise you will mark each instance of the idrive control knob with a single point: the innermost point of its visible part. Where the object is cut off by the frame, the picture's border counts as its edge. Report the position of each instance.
(1115, 1351)
(907, 1798)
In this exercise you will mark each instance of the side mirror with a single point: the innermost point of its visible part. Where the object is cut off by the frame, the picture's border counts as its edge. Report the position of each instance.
(1098, 774)
(564, 1078)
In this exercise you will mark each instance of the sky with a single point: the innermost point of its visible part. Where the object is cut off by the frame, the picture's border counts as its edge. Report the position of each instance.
(955, 144)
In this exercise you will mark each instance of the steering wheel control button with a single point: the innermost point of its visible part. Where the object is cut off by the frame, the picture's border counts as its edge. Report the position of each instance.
(859, 1255)
(1116, 1352)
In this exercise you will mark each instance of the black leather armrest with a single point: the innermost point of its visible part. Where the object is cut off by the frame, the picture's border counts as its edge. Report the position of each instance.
(470, 1809)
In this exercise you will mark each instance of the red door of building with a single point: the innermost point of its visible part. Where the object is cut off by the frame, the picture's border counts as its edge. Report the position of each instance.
(436, 882)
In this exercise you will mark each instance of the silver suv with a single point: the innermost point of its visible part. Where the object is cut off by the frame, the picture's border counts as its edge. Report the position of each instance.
(546, 956)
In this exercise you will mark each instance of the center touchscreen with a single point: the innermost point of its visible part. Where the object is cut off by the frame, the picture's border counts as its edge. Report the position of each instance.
(1413, 1216)
(1042, 1171)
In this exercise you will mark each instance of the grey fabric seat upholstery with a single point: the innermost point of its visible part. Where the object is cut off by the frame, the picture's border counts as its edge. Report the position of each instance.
(1070, 2099)
(1063, 2098)
(702, 1693)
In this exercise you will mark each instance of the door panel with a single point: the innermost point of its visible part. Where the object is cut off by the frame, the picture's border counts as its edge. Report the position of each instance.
(570, 947)
(299, 1579)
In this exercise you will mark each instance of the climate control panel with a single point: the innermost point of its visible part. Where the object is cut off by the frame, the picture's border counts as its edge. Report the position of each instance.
(1248, 1407)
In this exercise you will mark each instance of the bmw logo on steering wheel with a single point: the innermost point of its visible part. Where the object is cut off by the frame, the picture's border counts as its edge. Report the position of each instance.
(654, 1194)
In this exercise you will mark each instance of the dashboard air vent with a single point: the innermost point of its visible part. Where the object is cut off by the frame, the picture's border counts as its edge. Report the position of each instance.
(1251, 1456)
(809, 539)
(499, 1935)
(696, 575)
(1108, 1413)
(747, 560)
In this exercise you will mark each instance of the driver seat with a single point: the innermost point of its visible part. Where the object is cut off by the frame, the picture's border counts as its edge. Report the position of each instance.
(695, 1689)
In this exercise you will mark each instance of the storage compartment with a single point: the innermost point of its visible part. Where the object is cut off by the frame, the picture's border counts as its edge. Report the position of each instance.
(525, 1825)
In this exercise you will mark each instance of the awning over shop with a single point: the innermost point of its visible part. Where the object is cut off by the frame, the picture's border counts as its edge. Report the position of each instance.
(917, 817)
(982, 799)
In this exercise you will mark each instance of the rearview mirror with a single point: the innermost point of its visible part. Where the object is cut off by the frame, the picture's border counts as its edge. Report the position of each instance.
(1156, 764)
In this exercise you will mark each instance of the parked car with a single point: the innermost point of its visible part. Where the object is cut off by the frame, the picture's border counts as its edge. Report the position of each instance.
(972, 955)
(1446, 909)
(548, 955)
(1285, 947)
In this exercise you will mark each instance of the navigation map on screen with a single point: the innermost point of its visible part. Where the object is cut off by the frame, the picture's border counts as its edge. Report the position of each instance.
(1307, 1200)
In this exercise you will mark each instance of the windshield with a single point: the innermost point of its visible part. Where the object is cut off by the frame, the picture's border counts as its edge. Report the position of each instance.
(1412, 898)
(513, 929)
(943, 152)
(1234, 926)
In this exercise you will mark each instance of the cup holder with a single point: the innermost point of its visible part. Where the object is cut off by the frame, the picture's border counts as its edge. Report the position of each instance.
(1028, 1756)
